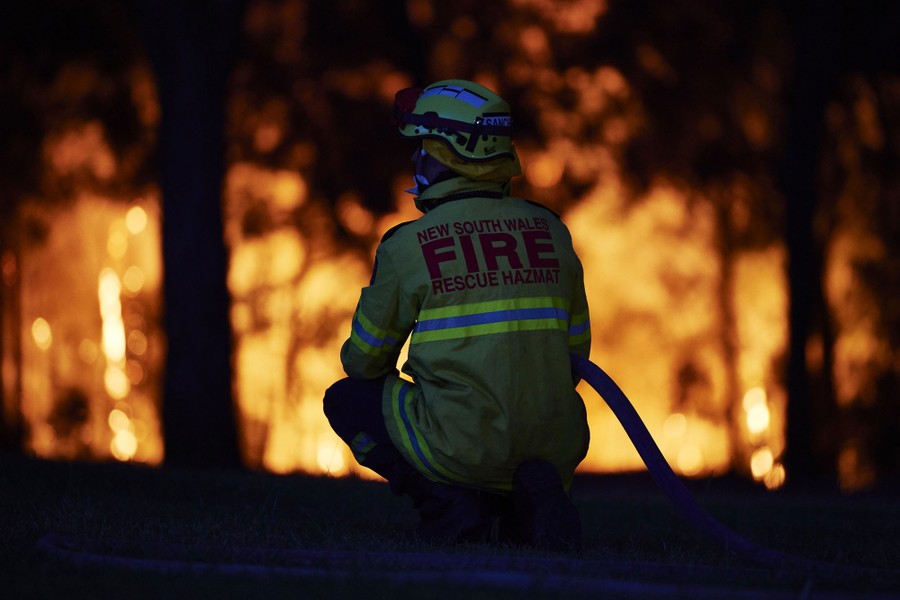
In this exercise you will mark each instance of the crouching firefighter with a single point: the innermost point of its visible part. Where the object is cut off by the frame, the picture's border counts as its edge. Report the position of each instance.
(485, 429)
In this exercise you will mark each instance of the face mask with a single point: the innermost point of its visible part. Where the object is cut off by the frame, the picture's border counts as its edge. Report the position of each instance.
(427, 171)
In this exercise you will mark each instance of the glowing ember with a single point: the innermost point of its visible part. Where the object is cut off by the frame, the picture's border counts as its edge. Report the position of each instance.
(757, 411)
(775, 478)
(545, 170)
(133, 279)
(40, 331)
(761, 462)
(124, 445)
(690, 459)
(136, 220)
(81, 148)
(576, 16)
(675, 425)
(353, 215)
(329, 457)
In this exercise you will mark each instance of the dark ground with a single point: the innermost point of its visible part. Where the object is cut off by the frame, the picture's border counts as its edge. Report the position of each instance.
(76, 530)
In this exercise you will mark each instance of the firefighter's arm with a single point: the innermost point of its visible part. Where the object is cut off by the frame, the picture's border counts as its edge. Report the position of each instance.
(377, 332)
(579, 318)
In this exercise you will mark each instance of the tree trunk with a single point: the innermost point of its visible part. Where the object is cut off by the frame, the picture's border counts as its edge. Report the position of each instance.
(13, 431)
(810, 453)
(192, 47)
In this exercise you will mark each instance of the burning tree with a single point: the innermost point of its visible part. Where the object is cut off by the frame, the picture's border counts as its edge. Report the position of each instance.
(79, 135)
(729, 177)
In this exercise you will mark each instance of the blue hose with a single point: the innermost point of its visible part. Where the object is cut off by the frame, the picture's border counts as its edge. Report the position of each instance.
(666, 479)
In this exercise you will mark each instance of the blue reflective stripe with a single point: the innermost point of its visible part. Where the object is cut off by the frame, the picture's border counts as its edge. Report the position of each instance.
(372, 339)
(411, 433)
(367, 337)
(580, 328)
(517, 314)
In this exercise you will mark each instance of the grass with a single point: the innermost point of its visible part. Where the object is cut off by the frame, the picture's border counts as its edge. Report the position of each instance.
(187, 534)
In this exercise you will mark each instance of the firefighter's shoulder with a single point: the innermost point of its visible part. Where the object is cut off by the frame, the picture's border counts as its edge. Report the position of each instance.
(393, 230)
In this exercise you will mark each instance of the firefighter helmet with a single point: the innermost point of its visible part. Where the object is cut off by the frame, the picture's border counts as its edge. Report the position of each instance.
(468, 118)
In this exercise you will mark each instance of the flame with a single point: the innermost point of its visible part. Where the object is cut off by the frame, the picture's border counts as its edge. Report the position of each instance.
(761, 462)
(41, 333)
(775, 478)
(626, 278)
(352, 214)
(576, 17)
(124, 444)
(288, 338)
(757, 410)
(420, 12)
(292, 308)
(662, 295)
(545, 170)
(330, 456)
(113, 335)
(860, 349)
(136, 220)
(108, 292)
(104, 341)
(133, 280)
(294, 290)
(675, 426)
(81, 149)
(764, 468)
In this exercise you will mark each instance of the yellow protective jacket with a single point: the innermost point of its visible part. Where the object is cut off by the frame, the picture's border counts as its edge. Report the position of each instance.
(491, 292)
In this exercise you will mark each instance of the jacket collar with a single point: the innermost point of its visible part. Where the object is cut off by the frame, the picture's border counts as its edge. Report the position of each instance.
(457, 189)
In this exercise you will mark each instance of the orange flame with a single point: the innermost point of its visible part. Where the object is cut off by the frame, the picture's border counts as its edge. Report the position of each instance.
(652, 275)
(95, 343)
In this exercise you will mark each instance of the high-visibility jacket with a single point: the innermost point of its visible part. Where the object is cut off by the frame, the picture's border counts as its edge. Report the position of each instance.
(491, 295)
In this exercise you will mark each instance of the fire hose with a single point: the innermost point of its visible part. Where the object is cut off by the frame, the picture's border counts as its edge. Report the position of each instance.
(668, 481)
(405, 566)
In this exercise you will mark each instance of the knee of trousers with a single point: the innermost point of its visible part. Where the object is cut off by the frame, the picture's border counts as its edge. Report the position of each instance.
(334, 404)
(352, 406)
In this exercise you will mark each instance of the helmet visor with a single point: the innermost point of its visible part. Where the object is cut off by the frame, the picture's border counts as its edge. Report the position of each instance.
(404, 104)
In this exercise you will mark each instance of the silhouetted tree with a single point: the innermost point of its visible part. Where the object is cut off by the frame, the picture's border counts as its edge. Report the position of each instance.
(810, 452)
(834, 41)
(192, 46)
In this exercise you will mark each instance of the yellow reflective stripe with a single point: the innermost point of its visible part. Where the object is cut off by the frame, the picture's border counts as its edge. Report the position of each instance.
(579, 329)
(361, 444)
(416, 446)
(370, 338)
(488, 329)
(491, 305)
(496, 316)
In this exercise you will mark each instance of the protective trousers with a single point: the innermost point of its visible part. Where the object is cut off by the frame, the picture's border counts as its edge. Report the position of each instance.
(353, 408)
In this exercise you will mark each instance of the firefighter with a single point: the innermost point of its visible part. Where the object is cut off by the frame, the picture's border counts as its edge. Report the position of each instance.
(483, 428)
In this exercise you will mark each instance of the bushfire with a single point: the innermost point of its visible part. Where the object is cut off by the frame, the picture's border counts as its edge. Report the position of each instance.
(691, 321)
(92, 343)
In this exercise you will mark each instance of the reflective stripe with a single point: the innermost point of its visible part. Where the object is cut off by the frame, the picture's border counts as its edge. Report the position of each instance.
(401, 398)
(361, 444)
(515, 314)
(497, 316)
(579, 329)
(369, 338)
(458, 92)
